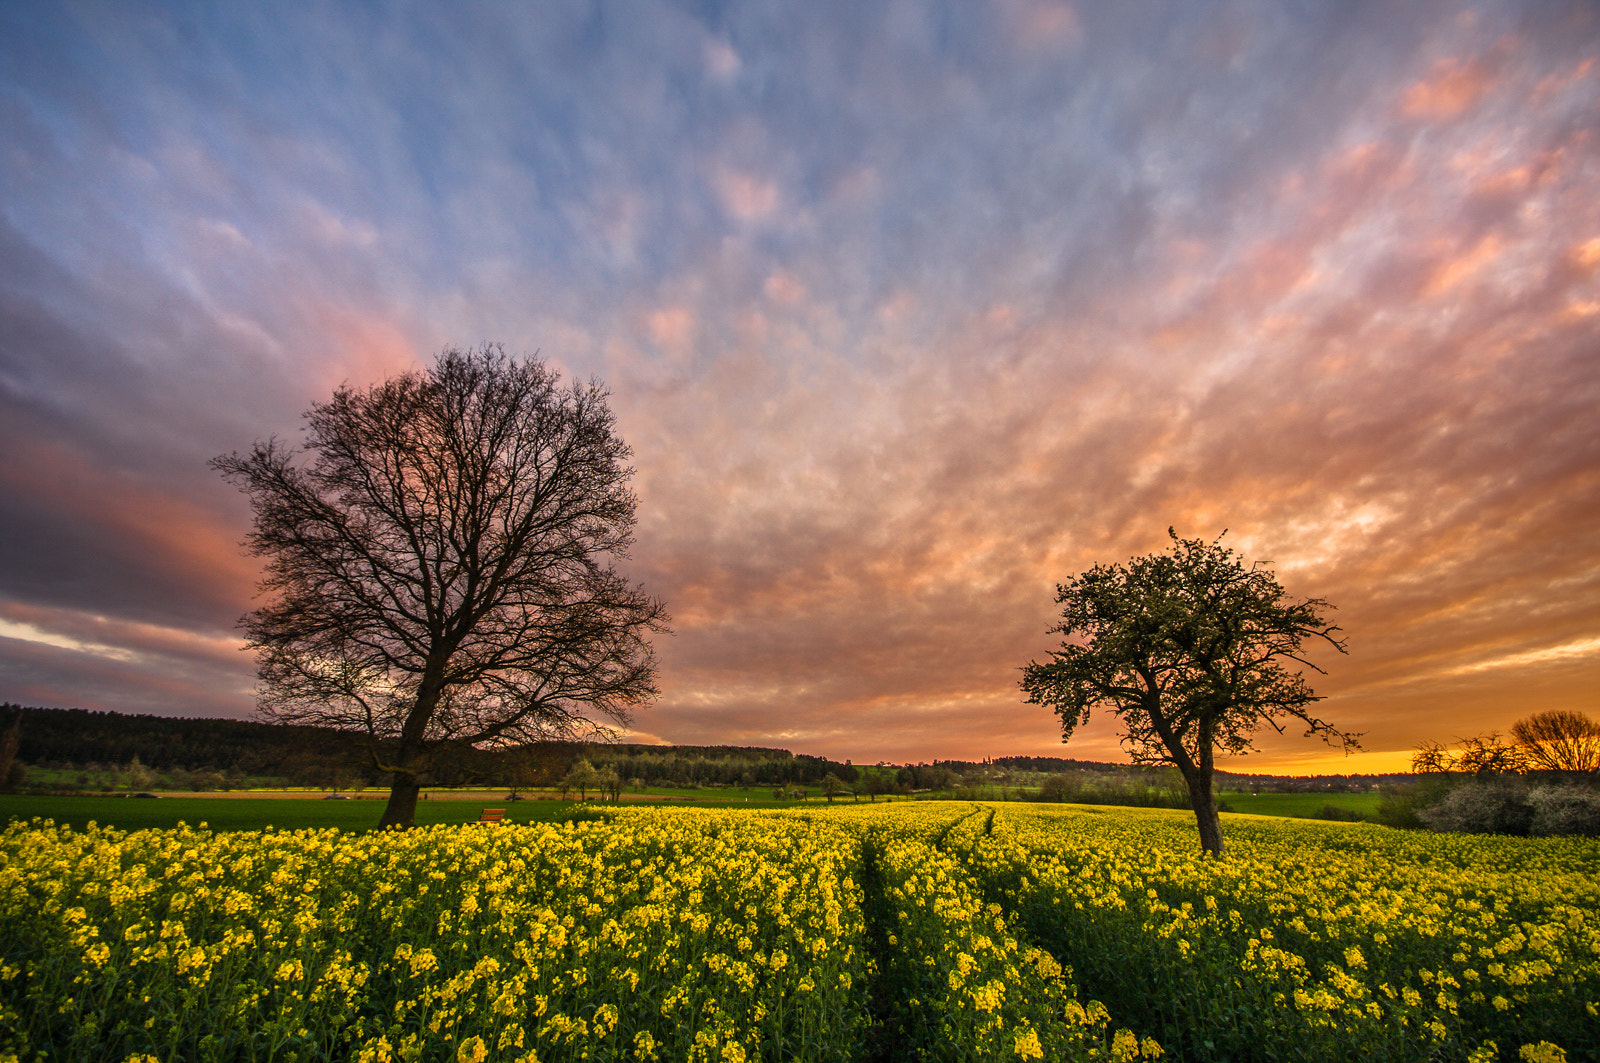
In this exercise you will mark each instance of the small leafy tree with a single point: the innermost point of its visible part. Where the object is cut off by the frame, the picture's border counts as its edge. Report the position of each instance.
(583, 777)
(522, 768)
(833, 786)
(139, 776)
(1193, 651)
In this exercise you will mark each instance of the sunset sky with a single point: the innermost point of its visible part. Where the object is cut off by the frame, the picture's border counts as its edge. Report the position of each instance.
(910, 311)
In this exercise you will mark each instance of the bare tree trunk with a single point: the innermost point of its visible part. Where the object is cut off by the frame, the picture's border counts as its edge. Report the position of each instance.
(413, 758)
(401, 812)
(10, 742)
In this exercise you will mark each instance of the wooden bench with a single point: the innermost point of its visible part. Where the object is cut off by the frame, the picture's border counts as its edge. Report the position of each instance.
(492, 815)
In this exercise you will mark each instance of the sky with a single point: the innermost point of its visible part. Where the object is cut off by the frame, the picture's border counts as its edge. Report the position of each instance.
(910, 311)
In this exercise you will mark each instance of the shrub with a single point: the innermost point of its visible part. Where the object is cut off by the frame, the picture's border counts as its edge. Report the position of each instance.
(1400, 805)
(1565, 809)
(1488, 806)
(1058, 788)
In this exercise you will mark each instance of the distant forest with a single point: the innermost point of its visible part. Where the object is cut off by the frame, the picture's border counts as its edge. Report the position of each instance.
(76, 748)
(68, 749)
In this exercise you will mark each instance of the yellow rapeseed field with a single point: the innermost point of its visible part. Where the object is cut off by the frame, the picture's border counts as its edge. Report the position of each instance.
(909, 931)
(1337, 941)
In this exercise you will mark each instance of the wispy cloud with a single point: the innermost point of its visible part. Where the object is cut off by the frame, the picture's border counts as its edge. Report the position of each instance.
(909, 313)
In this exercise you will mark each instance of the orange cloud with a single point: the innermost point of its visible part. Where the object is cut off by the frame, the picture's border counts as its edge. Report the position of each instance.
(1451, 88)
(364, 347)
(1456, 271)
(671, 327)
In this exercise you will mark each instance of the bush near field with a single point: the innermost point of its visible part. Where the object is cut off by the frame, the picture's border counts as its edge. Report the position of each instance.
(1544, 804)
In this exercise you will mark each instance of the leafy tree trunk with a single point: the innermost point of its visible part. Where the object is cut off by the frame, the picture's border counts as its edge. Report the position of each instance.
(1205, 810)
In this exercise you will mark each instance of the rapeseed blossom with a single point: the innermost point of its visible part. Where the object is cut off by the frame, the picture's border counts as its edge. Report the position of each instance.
(1342, 940)
(991, 932)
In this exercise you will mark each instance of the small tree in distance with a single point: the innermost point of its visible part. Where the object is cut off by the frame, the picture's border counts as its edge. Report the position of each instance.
(1559, 740)
(438, 565)
(833, 786)
(10, 742)
(1488, 755)
(1192, 651)
(583, 777)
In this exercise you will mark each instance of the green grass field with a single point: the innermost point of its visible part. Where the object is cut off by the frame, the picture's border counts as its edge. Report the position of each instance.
(256, 813)
(1303, 806)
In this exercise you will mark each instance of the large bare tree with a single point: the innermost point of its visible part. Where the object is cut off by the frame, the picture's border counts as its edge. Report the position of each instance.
(1193, 651)
(439, 565)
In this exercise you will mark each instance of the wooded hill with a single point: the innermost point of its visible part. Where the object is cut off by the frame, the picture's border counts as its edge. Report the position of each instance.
(78, 741)
(188, 753)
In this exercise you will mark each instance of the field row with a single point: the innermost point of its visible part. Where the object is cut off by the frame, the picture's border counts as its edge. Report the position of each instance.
(910, 931)
(675, 935)
(1314, 942)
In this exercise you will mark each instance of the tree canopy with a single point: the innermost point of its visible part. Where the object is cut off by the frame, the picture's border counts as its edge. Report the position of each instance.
(1193, 651)
(439, 564)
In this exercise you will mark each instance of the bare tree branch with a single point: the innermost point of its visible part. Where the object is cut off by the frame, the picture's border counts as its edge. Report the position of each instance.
(439, 564)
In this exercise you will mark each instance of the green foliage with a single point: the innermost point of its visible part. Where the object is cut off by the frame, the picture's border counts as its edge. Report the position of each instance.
(58, 745)
(1541, 804)
(1098, 788)
(245, 813)
(1188, 649)
(1193, 652)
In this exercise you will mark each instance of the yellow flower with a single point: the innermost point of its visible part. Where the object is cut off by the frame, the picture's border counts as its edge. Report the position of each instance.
(1028, 1046)
(1543, 1052)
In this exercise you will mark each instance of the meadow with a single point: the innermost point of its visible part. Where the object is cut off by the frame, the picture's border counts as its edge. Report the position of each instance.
(910, 931)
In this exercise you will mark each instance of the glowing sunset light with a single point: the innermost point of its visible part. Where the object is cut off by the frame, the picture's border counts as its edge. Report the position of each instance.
(908, 313)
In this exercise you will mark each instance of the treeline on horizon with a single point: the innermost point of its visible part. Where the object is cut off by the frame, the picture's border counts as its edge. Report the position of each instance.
(221, 753)
(184, 752)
